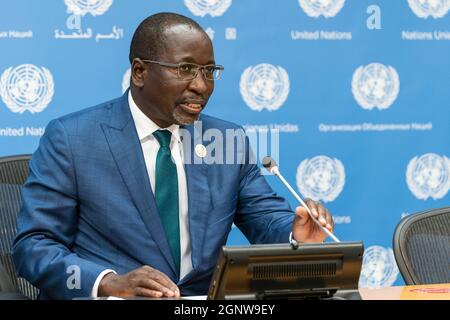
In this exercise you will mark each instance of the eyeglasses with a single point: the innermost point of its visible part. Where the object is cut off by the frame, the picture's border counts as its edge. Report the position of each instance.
(189, 71)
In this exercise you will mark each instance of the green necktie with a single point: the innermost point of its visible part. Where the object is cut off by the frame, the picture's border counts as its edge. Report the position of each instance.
(166, 194)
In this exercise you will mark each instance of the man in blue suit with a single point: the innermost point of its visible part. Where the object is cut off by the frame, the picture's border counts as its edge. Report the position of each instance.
(120, 200)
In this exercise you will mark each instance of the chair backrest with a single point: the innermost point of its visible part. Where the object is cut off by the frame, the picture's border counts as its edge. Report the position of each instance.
(5, 281)
(422, 247)
(14, 171)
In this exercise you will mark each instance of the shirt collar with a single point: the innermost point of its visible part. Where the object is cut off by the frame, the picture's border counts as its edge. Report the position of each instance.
(144, 125)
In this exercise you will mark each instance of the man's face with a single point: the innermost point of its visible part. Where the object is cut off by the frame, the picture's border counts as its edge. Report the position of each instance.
(165, 98)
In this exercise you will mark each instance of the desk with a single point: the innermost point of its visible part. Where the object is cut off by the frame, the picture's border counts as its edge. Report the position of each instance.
(422, 292)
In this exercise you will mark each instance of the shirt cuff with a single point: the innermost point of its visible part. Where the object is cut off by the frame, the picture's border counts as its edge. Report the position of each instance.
(94, 292)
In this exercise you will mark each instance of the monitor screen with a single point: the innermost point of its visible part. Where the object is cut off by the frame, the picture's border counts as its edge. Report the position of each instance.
(281, 271)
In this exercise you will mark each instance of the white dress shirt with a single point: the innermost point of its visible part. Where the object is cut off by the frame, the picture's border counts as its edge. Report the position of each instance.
(150, 146)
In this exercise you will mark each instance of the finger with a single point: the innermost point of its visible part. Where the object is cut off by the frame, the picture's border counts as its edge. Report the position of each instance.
(302, 215)
(330, 222)
(312, 205)
(145, 292)
(165, 280)
(322, 214)
(162, 279)
(156, 286)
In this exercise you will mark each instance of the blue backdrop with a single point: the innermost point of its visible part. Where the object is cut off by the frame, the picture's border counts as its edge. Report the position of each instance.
(358, 91)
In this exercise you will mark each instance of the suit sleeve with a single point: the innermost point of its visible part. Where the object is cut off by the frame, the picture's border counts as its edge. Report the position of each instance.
(262, 215)
(47, 223)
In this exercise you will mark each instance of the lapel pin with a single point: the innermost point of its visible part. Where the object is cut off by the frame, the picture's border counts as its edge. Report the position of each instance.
(200, 150)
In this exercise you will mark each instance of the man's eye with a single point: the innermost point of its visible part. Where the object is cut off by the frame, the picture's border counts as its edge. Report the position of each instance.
(210, 69)
(185, 67)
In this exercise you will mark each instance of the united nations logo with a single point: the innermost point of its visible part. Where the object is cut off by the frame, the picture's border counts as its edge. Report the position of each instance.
(94, 7)
(378, 268)
(126, 80)
(264, 86)
(327, 8)
(428, 176)
(321, 178)
(26, 87)
(201, 8)
(375, 86)
(425, 8)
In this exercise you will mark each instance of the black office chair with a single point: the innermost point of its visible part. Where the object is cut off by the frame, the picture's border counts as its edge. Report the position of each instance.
(7, 290)
(422, 247)
(13, 173)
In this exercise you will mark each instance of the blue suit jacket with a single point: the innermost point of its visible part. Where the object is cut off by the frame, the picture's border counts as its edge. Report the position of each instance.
(88, 206)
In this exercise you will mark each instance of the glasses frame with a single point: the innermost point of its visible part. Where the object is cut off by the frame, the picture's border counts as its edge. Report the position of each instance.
(199, 67)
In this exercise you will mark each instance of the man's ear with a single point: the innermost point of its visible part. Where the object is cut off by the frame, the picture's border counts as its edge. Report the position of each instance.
(138, 72)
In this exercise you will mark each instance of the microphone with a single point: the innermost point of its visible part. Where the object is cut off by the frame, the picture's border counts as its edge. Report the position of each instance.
(272, 167)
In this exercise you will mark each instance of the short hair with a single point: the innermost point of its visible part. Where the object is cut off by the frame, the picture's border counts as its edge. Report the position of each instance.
(150, 36)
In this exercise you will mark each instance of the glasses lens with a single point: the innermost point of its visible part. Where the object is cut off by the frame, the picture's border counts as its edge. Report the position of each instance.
(187, 71)
(216, 73)
(212, 72)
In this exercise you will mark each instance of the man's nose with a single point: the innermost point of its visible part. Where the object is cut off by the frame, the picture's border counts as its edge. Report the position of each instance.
(199, 84)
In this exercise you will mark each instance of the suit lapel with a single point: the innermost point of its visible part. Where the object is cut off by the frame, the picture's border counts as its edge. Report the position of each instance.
(127, 152)
(199, 197)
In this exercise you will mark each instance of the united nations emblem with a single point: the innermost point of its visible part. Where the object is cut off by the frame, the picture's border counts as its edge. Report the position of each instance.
(126, 80)
(321, 178)
(94, 7)
(316, 8)
(428, 176)
(378, 268)
(264, 86)
(425, 8)
(375, 86)
(26, 87)
(201, 8)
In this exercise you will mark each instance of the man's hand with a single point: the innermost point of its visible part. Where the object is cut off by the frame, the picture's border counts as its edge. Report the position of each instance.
(304, 229)
(144, 281)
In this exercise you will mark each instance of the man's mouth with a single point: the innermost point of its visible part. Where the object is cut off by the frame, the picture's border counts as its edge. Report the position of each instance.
(192, 108)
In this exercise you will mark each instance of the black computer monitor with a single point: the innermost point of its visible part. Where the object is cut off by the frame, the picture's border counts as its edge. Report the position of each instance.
(281, 271)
